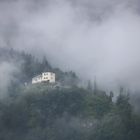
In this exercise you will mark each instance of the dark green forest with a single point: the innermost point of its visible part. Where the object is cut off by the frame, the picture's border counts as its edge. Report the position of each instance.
(41, 112)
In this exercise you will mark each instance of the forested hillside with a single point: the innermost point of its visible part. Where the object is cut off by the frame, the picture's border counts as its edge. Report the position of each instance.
(36, 112)
(29, 66)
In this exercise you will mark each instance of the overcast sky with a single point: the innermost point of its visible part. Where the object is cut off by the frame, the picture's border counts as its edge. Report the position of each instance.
(91, 37)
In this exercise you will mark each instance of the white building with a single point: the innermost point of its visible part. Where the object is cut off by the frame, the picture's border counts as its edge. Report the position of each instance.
(45, 77)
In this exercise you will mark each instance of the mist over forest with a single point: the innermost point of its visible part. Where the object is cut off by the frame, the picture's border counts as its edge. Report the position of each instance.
(70, 110)
(92, 46)
(99, 37)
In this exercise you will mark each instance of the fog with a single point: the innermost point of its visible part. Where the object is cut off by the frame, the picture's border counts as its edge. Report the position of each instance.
(7, 71)
(94, 38)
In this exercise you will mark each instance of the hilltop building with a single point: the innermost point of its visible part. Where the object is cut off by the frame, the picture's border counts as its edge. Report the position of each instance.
(45, 77)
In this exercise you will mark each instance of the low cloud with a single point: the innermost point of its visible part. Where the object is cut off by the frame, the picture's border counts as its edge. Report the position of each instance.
(93, 38)
(7, 71)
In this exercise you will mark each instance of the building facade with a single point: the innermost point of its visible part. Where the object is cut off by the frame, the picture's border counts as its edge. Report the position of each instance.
(45, 77)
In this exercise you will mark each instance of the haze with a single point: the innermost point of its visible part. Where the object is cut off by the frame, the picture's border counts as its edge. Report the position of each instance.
(94, 38)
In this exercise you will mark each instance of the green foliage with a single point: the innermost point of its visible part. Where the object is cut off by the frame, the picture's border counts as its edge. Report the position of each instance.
(43, 112)
(38, 112)
(98, 105)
